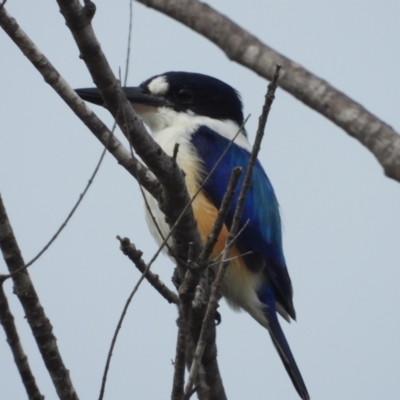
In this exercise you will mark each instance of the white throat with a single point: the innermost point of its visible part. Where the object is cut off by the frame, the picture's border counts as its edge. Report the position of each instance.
(175, 125)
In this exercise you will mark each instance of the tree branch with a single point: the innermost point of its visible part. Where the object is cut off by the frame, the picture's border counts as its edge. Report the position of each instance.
(78, 106)
(212, 303)
(174, 196)
(192, 314)
(179, 366)
(135, 256)
(20, 358)
(39, 323)
(244, 48)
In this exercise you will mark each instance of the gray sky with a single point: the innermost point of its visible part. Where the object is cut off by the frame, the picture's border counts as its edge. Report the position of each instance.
(341, 215)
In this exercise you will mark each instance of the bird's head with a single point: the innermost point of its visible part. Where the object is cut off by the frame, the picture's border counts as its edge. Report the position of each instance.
(163, 99)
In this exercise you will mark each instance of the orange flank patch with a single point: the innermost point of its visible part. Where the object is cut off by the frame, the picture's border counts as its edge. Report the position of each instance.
(205, 214)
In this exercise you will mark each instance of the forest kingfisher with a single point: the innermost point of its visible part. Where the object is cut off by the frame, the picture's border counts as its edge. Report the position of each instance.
(203, 114)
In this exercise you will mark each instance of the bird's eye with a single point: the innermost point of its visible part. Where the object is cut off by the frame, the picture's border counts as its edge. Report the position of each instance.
(184, 95)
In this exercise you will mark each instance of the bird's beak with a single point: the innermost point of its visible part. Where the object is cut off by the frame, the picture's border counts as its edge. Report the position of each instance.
(135, 95)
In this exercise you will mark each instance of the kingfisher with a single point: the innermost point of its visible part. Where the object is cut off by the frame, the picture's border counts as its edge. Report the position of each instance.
(203, 115)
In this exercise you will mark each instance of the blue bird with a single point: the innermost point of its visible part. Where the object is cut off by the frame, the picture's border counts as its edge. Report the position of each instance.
(203, 114)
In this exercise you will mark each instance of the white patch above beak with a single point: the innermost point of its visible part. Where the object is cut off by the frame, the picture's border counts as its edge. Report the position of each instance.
(158, 86)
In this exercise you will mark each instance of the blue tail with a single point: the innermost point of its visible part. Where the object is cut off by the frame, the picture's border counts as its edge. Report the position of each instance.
(281, 344)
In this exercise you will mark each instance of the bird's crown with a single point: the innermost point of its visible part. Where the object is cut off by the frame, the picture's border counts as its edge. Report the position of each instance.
(196, 94)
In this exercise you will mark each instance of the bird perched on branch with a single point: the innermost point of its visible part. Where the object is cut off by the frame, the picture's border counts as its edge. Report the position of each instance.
(203, 114)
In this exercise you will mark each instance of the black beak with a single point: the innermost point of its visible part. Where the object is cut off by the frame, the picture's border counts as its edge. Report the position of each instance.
(92, 95)
(135, 95)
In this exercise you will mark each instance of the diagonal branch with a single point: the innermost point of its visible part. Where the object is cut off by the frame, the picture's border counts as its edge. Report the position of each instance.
(192, 316)
(200, 319)
(20, 358)
(240, 46)
(135, 256)
(203, 259)
(78, 106)
(70, 214)
(35, 315)
(174, 195)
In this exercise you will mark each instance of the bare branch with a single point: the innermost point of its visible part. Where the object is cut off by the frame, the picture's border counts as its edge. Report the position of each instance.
(128, 47)
(203, 259)
(192, 294)
(71, 213)
(39, 323)
(146, 203)
(135, 256)
(69, 216)
(244, 48)
(194, 311)
(20, 358)
(217, 262)
(78, 106)
(174, 196)
(179, 366)
(211, 373)
(269, 98)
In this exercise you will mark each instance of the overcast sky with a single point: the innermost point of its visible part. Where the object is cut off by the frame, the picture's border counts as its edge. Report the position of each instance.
(341, 214)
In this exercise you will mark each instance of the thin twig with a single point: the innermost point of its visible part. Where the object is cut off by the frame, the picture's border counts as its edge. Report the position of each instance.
(135, 256)
(71, 213)
(74, 208)
(240, 231)
(128, 47)
(216, 261)
(20, 358)
(153, 218)
(234, 240)
(131, 251)
(211, 241)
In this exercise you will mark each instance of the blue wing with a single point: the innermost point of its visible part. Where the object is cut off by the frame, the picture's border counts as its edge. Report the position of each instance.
(263, 235)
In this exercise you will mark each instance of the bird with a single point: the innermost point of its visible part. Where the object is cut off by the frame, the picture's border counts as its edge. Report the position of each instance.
(203, 114)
